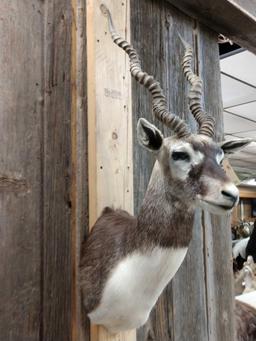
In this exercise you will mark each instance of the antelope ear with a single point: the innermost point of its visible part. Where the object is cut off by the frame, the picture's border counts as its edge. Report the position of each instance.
(149, 136)
(232, 146)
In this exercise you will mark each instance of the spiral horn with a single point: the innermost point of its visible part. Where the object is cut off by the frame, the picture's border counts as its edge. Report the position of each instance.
(206, 122)
(159, 103)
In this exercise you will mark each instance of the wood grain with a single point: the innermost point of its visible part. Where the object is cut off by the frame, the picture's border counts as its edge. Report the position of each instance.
(185, 310)
(43, 205)
(20, 169)
(109, 122)
(160, 53)
(217, 244)
(79, 154)
(43, 171)
(222, 16)
(56, 249)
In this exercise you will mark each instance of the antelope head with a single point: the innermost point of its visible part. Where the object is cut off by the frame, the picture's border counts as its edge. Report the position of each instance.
(191, 163)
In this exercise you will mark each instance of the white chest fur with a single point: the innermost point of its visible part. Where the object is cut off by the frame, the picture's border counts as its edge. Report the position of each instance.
(134, 287)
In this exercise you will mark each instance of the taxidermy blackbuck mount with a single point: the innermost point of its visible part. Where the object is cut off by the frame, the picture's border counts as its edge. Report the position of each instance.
(127, 261)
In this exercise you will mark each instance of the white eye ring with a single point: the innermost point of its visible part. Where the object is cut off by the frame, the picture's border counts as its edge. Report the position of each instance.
(219, 158)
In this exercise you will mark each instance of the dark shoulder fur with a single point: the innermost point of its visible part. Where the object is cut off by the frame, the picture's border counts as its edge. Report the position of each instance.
(245, 320)
(103, 248)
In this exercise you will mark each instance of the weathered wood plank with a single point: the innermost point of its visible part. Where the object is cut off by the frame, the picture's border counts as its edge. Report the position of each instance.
(189, 294)
(110, 123)
(57, 250)
(218, 278)
(217, 251)
(223, 16)
(184, 310)
(163, 45)
(20, 169)
(79, 152)
(39, 250)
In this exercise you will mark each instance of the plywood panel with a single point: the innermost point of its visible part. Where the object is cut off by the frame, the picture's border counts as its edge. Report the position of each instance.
(109, 119)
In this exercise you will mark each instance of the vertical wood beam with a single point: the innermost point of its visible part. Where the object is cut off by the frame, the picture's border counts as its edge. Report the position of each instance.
(35, 205)
(161, 53)
(56, 182)
(74, 167)
(191, 306)
(109, 122)
(21, 101)
(217, 240)
(79, 190)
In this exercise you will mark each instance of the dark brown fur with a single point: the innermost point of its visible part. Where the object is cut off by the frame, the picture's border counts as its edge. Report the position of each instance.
(112, 238)
(117, 234)
(245, 320)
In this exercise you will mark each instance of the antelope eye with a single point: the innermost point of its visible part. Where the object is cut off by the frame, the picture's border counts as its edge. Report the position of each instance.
(180, 156)
(220, 158)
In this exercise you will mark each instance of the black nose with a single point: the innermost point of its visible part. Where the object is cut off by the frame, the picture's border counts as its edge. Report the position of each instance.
(229, 196)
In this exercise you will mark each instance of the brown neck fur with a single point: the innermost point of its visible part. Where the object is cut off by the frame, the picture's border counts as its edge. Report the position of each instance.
(164, 219)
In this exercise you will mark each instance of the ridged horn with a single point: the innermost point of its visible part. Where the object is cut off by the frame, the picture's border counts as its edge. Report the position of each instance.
(206, 122)
(159, 104)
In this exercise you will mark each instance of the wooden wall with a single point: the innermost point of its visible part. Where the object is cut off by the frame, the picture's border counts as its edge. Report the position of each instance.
(42, 96)
(43, 170)
(110, 122)
(197, 305)
(21, 171)
(79, 153)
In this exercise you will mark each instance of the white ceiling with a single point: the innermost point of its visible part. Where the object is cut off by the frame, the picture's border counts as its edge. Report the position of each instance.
(241, 65)
(238, 78)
